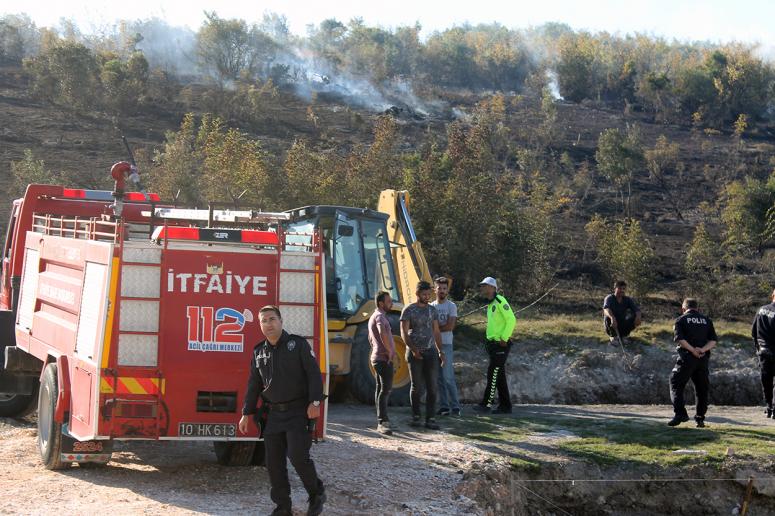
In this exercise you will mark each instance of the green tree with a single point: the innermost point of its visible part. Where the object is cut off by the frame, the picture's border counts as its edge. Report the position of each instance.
(19, 38)
(206, 162)
(577, 73)
(654, 91)
(230, 49)
(618, 157)
(66, 73)
(327, 43)
(178, 165)
(547, 130)
(30, 170)
(623, 252)
(703, 267)
(664, 165)
(124, 83)
(380, 166)
(305, 175)
(749, 214)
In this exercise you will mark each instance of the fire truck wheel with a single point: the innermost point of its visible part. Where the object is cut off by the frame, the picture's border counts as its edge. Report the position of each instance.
(49, 431)
(18, 405)
(361, 379)
(259, 454)
(238, 453)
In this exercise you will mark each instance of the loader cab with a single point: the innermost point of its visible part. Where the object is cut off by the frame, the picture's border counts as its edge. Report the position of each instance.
(358, 261)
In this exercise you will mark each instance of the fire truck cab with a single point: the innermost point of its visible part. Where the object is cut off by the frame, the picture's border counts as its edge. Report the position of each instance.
(139, 323)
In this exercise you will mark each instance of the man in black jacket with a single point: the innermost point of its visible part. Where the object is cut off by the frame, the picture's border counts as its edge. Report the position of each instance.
(695, 336)
(285, 373)
(763, 333)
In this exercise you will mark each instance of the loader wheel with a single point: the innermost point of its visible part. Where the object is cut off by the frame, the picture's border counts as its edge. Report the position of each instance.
(18, 405)
(234, 453)
(361, 379)
(49, 431)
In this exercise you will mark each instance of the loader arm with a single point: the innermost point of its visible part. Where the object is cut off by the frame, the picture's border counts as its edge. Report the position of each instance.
(407, 253)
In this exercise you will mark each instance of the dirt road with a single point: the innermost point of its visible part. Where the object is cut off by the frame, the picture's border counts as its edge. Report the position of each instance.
(410, 473)
(366, 473)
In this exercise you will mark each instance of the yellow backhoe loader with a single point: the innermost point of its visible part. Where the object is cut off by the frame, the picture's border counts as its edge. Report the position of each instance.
(365, 251)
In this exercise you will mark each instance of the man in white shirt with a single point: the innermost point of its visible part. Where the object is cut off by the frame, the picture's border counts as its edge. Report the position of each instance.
(447, 310)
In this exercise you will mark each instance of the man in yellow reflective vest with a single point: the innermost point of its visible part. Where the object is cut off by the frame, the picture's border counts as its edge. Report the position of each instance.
(500, 325)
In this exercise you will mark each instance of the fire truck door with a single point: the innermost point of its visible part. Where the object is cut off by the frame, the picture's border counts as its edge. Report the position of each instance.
(89, 337)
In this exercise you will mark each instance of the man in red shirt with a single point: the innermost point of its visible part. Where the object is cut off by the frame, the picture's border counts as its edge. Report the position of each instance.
(383, 352)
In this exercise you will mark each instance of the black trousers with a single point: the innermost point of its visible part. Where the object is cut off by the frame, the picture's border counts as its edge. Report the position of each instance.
(623, 326)
(424, 375)
(767, 369)
(496, 375)
(293, 443)
(688, 367)
(384, 386)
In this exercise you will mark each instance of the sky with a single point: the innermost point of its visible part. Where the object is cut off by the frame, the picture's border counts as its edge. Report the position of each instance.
(689, 20)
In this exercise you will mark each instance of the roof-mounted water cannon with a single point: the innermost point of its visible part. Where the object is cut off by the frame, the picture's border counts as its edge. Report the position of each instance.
(122, 171)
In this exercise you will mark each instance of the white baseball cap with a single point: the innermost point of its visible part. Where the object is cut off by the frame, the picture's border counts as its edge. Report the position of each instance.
(489, 280)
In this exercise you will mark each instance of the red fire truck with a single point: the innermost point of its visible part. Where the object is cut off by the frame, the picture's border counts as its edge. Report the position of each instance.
(134, 320)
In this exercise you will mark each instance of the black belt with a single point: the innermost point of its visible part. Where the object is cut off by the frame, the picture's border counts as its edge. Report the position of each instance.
(288, 405)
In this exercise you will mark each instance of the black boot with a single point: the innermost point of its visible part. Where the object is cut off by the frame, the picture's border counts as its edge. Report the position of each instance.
(677, 420)
(316, 502)
(768, 412)
(281, 510)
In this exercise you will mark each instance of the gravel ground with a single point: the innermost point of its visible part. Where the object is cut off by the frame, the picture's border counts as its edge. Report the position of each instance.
(412, 472)
(365, 473)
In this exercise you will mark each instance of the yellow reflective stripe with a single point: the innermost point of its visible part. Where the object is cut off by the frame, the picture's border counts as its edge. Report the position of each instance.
(322, 358)
(111, 311)
(132, 385)
(105, 386)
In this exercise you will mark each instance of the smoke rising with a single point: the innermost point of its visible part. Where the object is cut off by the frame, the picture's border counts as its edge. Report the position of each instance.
(553, 84)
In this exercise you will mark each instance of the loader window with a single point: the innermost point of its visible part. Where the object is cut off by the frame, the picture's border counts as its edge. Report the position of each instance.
(348, 265)
(379, 262)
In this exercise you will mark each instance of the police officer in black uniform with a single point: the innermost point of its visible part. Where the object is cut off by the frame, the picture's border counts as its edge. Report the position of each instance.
(285, 373)
(695, 336)
(763, 333)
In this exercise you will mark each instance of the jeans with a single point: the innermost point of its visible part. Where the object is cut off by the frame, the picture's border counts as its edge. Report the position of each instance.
(447, 386)
(424, 374)
(384, 386)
